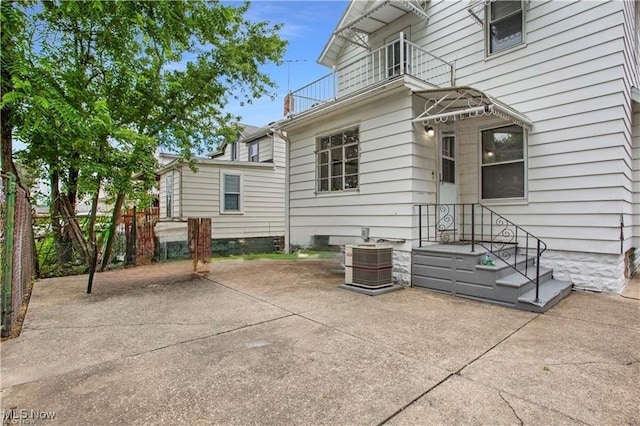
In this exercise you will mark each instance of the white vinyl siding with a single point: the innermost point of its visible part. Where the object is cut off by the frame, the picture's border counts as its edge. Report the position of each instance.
(262, 200)
(263, 195)
(570, 81)
(387, 184)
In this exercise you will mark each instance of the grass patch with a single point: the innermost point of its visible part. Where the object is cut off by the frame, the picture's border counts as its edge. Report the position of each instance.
(300, 255)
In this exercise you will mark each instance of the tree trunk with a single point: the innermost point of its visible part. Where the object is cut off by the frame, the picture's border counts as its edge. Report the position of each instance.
(6, 157)
(64, 247)
(111, 235)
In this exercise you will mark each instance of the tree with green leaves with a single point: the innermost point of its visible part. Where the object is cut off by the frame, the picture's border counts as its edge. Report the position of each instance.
(96, 87)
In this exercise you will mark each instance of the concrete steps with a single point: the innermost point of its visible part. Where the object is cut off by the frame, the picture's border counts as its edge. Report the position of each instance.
(455, 269)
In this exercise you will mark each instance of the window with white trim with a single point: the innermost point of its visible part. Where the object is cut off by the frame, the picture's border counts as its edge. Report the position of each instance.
(234, 151)
(168, 191)
(231, 193)
(337, 158)
(503, 165)
(504, 25)
(254, 152)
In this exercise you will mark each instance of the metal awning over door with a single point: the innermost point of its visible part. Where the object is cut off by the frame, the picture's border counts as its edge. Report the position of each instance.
(458, 103)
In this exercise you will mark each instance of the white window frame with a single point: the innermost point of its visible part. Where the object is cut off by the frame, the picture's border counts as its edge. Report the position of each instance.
(234, 151)
(251, 147)
(168, 195)
(524, 160)
(223, 193)
(487, 29)
(343, 175)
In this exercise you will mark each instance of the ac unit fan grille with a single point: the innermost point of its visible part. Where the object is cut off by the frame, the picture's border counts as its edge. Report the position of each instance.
(372, 277)
(372, 258)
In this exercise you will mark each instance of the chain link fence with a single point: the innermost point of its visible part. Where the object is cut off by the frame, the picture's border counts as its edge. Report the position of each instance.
(18, 253)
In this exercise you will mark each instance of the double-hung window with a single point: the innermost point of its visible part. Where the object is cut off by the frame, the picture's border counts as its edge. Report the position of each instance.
(504, 25)
(503, 165)
(231, 193)
(168, 191)
(234, 151)
(337, 161)
(254, 152)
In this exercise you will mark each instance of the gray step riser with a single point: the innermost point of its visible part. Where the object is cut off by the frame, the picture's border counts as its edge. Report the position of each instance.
(478, 282)
(469, 262)
(454, 269)
(460, 274)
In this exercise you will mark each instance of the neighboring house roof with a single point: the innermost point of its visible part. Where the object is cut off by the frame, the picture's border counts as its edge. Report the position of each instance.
(245, 132)
(213, 162)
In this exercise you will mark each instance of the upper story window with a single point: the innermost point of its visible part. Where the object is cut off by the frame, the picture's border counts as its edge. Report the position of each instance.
(254, 152)
(503, 170)
(168, 191)
(504, 25)
(337, 161)
(234, 151)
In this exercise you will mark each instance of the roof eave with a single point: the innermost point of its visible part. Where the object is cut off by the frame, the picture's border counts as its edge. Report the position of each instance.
(323, 58)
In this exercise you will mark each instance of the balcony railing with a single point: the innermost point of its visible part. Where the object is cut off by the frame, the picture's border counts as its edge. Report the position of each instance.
(395, 58)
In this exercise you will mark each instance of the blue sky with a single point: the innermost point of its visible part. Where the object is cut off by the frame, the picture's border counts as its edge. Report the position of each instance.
(307, 27)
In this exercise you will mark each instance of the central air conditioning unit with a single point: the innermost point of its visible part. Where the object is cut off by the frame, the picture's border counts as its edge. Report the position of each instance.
(368, 268)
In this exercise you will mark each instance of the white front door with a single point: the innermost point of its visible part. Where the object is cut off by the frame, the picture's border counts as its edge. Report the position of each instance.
(448, 191)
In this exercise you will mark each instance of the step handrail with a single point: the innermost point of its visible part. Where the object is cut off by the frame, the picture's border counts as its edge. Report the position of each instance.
(479, 225)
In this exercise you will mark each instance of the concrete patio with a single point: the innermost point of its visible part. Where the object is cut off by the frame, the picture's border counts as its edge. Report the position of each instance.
(271, 342)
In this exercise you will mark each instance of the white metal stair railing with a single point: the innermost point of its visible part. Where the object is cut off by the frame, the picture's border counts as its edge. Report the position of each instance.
(397, 57)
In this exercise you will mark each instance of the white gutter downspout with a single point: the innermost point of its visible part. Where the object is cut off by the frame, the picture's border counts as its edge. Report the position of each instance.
(287, 231)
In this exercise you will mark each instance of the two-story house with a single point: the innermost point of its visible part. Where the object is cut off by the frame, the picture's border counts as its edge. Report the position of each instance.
(240, 187)
(508, 127)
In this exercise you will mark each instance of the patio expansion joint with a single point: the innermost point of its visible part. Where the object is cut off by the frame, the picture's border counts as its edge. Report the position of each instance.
(455, 373)
(220, 333)
(195, 339)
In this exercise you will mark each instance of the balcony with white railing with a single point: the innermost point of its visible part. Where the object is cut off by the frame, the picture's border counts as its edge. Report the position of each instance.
(398, 57)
